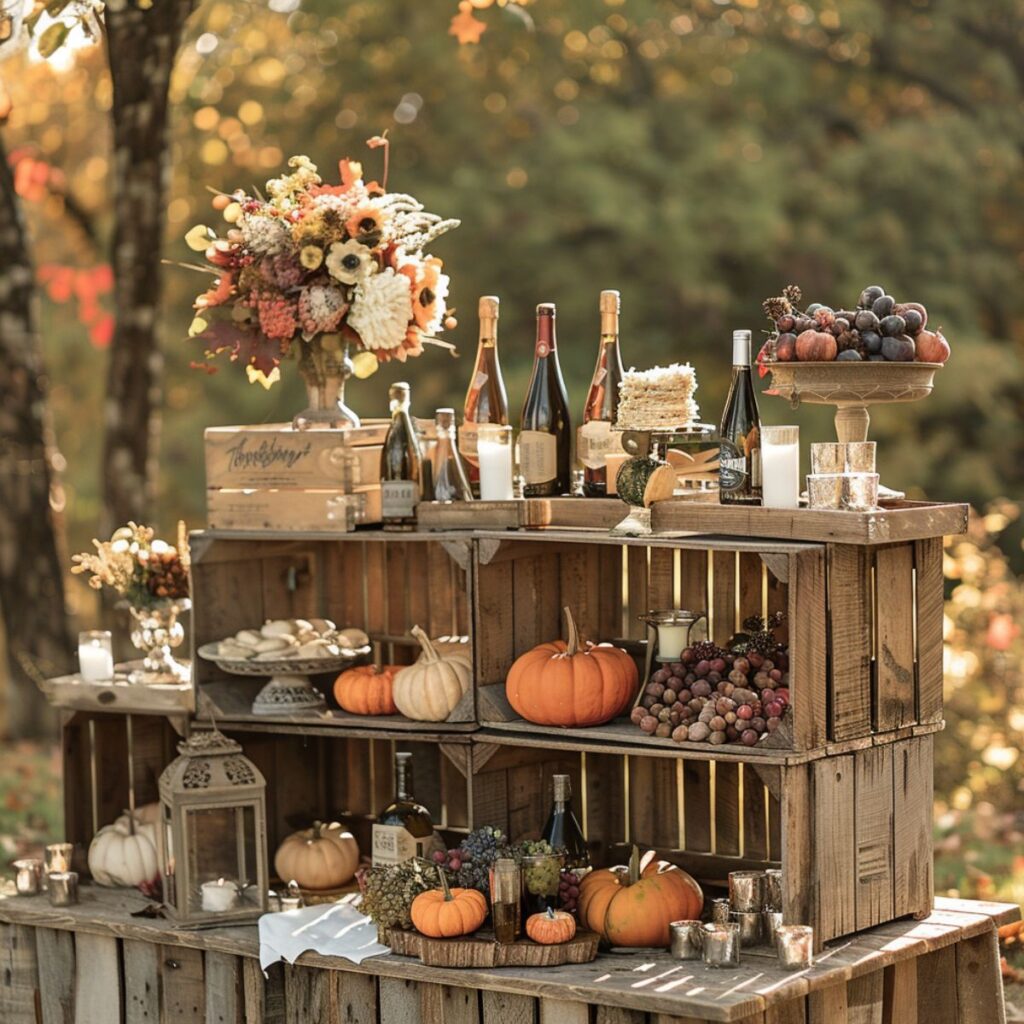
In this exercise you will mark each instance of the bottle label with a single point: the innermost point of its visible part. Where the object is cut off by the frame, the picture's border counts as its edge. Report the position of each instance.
(538, 456)
(595, 441)
(734, 468)
(468, 434)
(479, 380)
(399, 498)
(393, 844)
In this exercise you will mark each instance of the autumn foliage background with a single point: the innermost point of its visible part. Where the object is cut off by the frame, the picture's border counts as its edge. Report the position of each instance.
(697, 156)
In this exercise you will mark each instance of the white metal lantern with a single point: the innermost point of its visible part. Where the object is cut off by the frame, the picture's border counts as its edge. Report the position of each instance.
(212, 837)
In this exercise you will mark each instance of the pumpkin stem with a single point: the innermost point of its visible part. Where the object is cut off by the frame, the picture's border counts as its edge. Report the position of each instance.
(634, 867)
(429, 650)
(318, 828)
(572, 635)
(550, 914)
(444, 884)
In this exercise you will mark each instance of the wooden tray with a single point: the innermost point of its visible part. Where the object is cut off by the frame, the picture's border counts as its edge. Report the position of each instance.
(483, 951)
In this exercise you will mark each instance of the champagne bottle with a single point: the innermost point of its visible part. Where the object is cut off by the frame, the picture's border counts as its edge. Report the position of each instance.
(404, 828)
(739, 475)
(595, 439)
(486, 401)
(563, 831)
(545, 436)
(448, 470)
(401, 465)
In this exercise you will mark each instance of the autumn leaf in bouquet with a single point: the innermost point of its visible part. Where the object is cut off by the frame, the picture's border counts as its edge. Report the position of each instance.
(306, 269)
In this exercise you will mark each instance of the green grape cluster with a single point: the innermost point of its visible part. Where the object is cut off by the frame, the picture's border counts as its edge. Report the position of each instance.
(388, 893)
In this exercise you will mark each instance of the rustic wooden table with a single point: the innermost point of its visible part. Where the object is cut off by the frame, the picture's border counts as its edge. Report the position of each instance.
(96, 964)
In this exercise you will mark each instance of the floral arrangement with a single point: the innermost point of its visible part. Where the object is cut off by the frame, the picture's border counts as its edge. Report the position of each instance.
(315, 265)
(140, 568)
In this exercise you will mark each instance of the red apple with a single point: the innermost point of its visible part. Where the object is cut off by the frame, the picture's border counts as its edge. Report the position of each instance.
(931, 347)
(785, 348)
(816, 347)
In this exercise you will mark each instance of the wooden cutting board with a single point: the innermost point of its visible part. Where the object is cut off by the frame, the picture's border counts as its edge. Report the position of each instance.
(481, 950)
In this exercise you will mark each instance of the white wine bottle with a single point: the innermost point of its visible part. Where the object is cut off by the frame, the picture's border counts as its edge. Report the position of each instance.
(404, 829)
(739, 475)
(595, 439)
(401, 465)
(486, 400)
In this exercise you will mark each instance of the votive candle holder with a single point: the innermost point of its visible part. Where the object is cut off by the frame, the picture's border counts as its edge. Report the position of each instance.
(794, 945)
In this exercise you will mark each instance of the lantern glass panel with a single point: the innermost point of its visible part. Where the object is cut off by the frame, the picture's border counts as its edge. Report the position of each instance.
(221, 845)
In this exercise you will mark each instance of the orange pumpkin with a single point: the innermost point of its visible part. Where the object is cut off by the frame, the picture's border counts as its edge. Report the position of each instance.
(567, 683)
(633, 906)
(366, 690)
(551, 927)
(446, 913)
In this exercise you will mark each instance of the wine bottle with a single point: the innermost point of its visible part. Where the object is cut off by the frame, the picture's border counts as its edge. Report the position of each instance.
(404, 829)
(563, 831)
(448, 470)
(545, 434)
(401, 465)
(595, 439)
(739, 475)
(486, 401)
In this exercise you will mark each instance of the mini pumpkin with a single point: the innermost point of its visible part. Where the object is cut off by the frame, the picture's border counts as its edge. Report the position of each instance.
(321, 857)
(634, 905)
(567, 683)
(366, 690)
(429, 690)
(551, 927)
(124, 853)
(446, 913)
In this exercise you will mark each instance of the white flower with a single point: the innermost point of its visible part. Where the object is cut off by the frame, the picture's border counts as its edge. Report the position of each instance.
(267, 235)
(348, 262)
(381, 310)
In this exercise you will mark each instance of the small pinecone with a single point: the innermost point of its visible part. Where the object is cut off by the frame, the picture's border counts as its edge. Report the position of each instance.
(792, 293)
(167, 575)
(707, 650)
(848, 339)
(824, 318)
(761, 633)
(776, 307)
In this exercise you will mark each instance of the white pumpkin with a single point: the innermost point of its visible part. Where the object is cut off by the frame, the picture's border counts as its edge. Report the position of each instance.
(321, 857)
(428, 690)
(117, 857)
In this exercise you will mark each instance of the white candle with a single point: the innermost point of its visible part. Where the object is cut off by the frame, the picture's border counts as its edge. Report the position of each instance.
(95, 656)
(671, 641)
(494, 453)
(780, 467)
(220, 895)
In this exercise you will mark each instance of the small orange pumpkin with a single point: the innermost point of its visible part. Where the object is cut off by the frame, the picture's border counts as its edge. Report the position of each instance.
(366, 690)
(551, 927)
(634, 905)
(446, 913)
(567, 683)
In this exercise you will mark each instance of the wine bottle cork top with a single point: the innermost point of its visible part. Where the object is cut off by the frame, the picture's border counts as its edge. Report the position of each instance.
(400, 389)
(444, 417)
(562, 787)
(488, 309)
(546, 309)
(610, 302)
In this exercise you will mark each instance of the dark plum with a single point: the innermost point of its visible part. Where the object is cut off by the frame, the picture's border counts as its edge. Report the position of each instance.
(786, 323)
(870, 294)
(913, 319)
(882, 306)
(899, 350)
(814, 307)
(893, 326)
(850, 355)
(865, 320)
(785, 348)
(872, 340)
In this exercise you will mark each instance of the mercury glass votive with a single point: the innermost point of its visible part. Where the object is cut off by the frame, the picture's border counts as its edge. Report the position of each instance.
(721, 945)
(825, 490)
(794, 944)
(751, 927)
(746, 891)
(686, 940)
(720, 911)
(828, 457)
(860, 456)
(28, 874)
(58, 857)
(772, 922)
(860, 492)
(773, 889)
(63, 888)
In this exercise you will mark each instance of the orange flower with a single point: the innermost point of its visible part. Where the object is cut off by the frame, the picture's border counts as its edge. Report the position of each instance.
(429, 292)
(365, 223)
(219, 293)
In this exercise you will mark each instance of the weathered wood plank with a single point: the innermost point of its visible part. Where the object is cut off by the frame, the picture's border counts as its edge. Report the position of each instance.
(864, 996)
(873, 835)
(978, 982)
(254, 989)
(579, 585)
(638, 598)
(493, 622)
(789, 1011)
(913, 781)
(828, 1005)
(835, 875)
(693, 580)
(727, 808)
(610, 608)
(900, 1001)
(661, 580)
(937, 987)
(723, 603)
(894, 601)
(55, 960)
(400, 1001)
(561, 1011)
(224, 1001)
(808, 669)
(355, 999)
(618, 1015)
(755, 819)
(849, 599)
(182, 985)
(929, 600)
(142, 982)
(306, 995)
(97, 978)
(19, 975)
(507, 1008)
(697, 805)
(798, 839)
(446, 1004)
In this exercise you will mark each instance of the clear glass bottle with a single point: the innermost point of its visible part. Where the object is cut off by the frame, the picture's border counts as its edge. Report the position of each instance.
(486, 400)
(401, 465)
(404, 829)
(448, 471)
(739, 475)
(595, 439)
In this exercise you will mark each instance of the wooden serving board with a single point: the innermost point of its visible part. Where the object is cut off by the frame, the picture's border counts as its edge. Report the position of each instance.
(482, 951)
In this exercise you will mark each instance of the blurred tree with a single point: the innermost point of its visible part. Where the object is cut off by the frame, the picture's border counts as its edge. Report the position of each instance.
(31, 570)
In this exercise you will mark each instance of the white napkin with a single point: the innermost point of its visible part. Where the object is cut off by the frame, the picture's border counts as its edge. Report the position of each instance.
(331, 929)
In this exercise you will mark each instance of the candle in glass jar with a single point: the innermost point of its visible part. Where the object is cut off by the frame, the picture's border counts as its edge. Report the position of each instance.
(95, 656)
(780, 467)
(494, 454)
(219, 896)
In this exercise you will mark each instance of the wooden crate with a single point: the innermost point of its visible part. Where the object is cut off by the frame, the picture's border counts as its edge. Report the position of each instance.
(863, 623)
(851, 832)
(299, 512)
(383, 583)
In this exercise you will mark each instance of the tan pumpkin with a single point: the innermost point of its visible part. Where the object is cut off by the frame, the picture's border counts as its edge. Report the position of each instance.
(634, 905)
(551, 927)
(429, 690)
(321, 857)
(122, 855)
(567, 683)
(446, 913)
(366, 690)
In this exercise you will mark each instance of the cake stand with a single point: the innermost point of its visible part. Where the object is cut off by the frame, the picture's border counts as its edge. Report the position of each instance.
(289, 689)
(852, 388)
